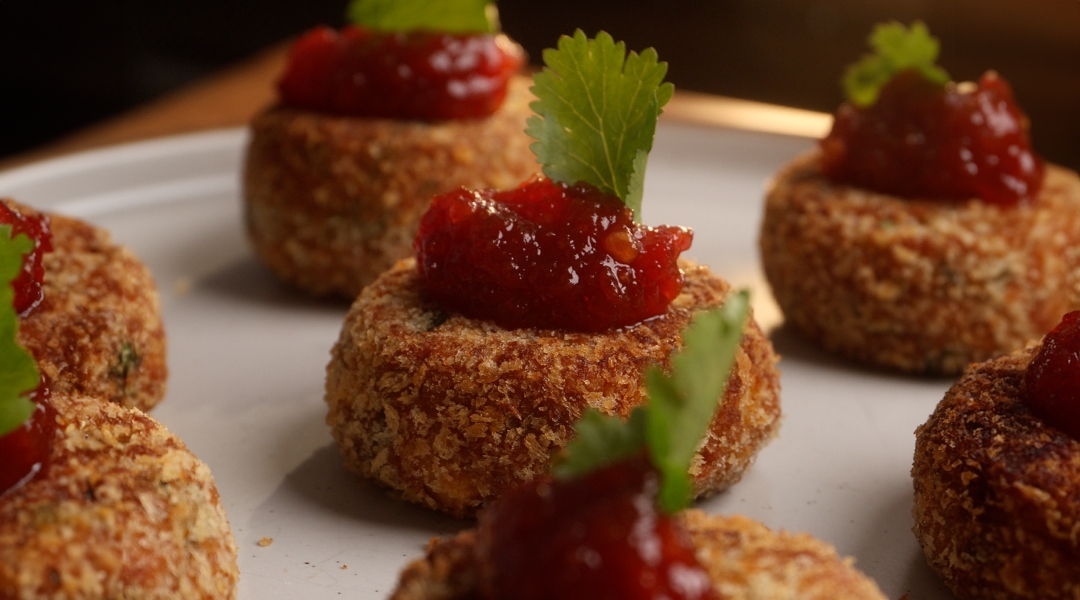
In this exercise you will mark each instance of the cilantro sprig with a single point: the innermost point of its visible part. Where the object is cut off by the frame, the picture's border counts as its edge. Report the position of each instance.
(18, 370)
(450, 16)
(897, 48)
(596, 113)
(679, 410)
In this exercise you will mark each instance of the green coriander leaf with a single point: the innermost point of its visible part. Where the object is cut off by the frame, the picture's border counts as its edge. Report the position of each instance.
(14, 412)
(897, 49)
(596, 110)
(636, 186)
(601, 440)
(19, 374)
(679, 410)
(450, 16)
(681, 405)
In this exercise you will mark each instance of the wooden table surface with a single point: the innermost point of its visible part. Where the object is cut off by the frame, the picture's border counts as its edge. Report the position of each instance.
(231, 97)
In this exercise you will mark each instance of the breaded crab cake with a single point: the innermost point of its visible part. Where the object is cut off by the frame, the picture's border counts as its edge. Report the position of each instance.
(333, 201)
(744, 559)
(917, 285)
(98, 330)
(451, 411)
(122, 509)
(997, 490)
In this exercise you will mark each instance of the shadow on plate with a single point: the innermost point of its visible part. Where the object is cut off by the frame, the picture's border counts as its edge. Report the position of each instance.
(323, 481)
(248, 280)
(219, 260)
(889, 547)
(922, 582)
(790, 344)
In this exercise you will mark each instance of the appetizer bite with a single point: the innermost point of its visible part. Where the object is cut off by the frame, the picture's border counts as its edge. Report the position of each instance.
(96, 500)
(923, 233)
(459, 374)
(89, 311)
(415, 98)
(610, 522)
(997, 475)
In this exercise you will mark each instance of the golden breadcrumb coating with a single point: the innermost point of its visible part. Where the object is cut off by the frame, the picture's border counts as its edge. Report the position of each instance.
(123, 510)
(451, 411)
(98, 331)
(449, 571)
(917, 285)
(332, 201)
(744, 559)
(997, 490)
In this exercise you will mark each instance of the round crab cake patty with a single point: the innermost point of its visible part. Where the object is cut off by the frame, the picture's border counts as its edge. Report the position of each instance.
(744, 559)
(451, 411)
(918, 285)
(333, 201)
(121, 510)
(98, 330)
(997, 490)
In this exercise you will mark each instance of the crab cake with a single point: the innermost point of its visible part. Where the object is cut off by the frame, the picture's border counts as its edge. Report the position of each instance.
(917, 285)
(98, 330)
(122, 509)
(744, 559)
(333, 201)
(997, 490)
(451, 411)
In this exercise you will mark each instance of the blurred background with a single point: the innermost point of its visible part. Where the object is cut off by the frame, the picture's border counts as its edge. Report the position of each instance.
(65, 65)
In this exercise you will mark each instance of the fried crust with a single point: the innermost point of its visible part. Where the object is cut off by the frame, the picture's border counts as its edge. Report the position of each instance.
(123, 510)
(916, 285)
(450, 411)
(332, 201)
(98, 331)
(997, 490)
(744, 559)
(450, 570)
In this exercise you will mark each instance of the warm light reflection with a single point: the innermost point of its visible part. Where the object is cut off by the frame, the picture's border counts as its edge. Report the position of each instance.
(744, 114)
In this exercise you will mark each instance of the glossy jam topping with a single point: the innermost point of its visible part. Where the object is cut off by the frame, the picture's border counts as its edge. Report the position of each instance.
(547, 255)
(920, 140)
(1052, 381)
(411, 75)
(28, 285)
(25, 450)
(599, 537)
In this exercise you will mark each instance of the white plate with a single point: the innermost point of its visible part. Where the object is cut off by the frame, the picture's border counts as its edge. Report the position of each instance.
(247, 357)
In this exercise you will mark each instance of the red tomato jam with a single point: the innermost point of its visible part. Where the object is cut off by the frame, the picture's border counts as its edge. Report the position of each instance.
(922, 140)
(547, 255)
(25, 449)
(1052, 381)
(28, 291)
(403, 75)
(598, 537)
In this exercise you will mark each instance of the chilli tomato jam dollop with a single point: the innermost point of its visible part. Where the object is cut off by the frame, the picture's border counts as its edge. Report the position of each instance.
(403, 75)
(597, 537)
(1052, 380)
(28, 285)
(547, 255)
(921, 139)
(25, 450)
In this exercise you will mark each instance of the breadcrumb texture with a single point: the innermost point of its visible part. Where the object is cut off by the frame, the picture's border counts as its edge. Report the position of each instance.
(451, 411)
(745, 560)
(916, 285)
(333, 201)
(450, 570)
(98, 331)
(123, 510)
(997, 490)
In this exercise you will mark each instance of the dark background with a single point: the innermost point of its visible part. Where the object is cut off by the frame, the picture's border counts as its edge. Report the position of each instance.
(68, 64)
